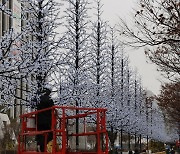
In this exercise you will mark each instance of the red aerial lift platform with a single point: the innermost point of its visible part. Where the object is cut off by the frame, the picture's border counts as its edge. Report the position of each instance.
(92, 134)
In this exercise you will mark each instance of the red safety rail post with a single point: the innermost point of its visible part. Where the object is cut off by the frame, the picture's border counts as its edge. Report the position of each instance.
(63, 131)
(103, 127)
(106, 134)
(98, 133)
(53, 123)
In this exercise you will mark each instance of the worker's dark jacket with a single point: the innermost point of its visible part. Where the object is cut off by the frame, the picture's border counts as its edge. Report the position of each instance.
(44, 118)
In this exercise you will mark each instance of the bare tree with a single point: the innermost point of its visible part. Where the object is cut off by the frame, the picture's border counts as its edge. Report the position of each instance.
(169, 101)
(157, 25)
(9, 68)
(31, 54)
(76, 49)
(8, 58)
(116, 87)
(98, 58)
(76, 53)
(157, 28)
(39, 43)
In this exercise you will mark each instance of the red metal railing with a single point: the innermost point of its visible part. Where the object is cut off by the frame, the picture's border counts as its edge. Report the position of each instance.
(61, 116)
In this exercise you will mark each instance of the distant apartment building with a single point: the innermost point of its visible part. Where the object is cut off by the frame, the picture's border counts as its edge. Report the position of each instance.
(7, 23)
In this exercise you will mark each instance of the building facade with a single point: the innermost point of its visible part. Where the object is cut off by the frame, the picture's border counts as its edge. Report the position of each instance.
(13, 22)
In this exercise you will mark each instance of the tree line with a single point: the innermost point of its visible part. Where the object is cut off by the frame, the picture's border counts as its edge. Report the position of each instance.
(86, 63)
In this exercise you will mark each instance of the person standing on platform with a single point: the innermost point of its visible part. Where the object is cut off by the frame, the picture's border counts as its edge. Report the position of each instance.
(44, 119)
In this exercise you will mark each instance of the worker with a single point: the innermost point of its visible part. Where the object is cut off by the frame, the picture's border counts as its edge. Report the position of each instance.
(44, 119)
